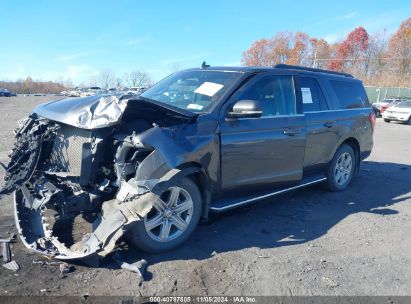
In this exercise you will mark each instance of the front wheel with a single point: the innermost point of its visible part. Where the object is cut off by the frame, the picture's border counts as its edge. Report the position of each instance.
(172, 219)
(387, 120)
(341, 169)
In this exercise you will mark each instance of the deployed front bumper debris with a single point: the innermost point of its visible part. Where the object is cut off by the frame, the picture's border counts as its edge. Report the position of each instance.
(25, 154)
(56, 215)
(83, 172)
(37, 226)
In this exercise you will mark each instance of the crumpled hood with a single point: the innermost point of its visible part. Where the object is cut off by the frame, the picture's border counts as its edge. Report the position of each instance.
(92, 112)
(100, 111)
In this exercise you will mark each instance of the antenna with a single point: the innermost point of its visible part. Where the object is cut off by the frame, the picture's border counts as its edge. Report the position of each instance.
(204, 65)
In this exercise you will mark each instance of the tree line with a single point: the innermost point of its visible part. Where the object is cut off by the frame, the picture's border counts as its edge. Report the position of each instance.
(30, 86)
(105, 79)
(378, 59)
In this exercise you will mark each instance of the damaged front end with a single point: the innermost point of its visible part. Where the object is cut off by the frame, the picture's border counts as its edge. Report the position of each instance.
(76, 191)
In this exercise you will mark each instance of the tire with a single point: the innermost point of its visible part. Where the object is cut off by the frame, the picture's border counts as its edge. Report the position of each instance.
(377, 113)
(148, 234)
(387, 120)
(341, 169)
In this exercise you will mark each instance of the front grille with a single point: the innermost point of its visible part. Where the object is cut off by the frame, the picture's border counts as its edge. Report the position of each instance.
(68, 148)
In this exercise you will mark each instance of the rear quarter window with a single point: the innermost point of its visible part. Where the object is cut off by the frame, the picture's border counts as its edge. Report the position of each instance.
(350, 95)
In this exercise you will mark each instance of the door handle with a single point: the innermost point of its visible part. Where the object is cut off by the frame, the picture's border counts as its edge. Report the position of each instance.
(328, 124)
(291, 132)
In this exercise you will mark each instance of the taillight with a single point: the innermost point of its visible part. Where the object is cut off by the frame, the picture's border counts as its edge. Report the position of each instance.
(372, 120)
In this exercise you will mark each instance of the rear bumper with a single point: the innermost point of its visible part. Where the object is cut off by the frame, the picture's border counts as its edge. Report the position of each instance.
(402, 118)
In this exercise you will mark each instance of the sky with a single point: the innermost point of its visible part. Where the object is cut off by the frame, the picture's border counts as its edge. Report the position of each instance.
(76, 40)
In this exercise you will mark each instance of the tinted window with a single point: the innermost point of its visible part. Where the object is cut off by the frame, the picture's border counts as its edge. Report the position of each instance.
(275, 94)
(350, 94)
(313, 98)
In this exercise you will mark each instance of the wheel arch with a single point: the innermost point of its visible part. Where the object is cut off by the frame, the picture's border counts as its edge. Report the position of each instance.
(355, 145)
(198, 175)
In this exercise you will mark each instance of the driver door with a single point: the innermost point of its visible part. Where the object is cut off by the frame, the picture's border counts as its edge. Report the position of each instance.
(267, 151)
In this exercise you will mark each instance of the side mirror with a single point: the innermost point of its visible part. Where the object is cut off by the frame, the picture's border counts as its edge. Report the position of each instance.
(246, 108)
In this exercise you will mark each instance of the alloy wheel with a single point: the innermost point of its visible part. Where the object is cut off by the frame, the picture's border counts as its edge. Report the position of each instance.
(343, 169)
(170, 215)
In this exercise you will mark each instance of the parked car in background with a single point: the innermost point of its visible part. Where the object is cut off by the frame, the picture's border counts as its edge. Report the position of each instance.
(399, 112)
(136, 90)
(74, 93)
(4, 93)
(385, 107)
(90, 91)
(376, 106)
(63, 93)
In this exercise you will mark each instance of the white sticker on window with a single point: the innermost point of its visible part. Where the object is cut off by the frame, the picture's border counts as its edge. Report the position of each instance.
(306, 92)
(209, 88)
(194, 106)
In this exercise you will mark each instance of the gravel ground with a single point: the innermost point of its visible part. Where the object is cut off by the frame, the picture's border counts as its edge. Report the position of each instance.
(310, 242)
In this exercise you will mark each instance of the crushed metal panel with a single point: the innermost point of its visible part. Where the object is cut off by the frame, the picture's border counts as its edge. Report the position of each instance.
(87, 112)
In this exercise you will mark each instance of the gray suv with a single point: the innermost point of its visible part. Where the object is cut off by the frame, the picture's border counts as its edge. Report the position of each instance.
(87, 171)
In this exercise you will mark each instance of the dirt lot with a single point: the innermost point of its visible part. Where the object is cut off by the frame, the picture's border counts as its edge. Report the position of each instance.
(311, 242)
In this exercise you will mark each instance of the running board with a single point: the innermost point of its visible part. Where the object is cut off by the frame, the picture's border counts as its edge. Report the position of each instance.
(222, 206)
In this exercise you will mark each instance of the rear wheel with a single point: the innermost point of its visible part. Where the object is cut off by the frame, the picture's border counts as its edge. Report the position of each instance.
(386, 120)
(341, 169)
(172, 219)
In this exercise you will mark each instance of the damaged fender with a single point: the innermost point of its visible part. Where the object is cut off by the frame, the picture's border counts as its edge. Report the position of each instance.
(81, 178)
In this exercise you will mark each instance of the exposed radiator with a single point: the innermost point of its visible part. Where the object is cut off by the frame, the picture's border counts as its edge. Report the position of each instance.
(68, 148)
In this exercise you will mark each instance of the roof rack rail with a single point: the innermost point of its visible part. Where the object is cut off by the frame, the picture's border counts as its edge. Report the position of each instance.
(296, 67)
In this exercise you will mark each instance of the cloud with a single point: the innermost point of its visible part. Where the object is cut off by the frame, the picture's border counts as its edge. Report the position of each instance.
(191, 58)
(234, 63)
(79, 71)
(134, 41)
(346, 16)
(332, 38)
(70, 57)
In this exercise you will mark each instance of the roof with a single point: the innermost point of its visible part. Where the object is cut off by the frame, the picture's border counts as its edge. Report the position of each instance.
(256, 69)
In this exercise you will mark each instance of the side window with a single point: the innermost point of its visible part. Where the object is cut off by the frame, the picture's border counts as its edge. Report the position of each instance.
(313, 97)
(350, 94)
(275, 94)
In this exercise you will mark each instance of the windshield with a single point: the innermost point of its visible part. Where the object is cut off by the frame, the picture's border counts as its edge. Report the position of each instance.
(195, 91)
(404, 104)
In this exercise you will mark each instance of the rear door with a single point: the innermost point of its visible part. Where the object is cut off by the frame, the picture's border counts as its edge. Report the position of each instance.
(321, 122)
(268, 150)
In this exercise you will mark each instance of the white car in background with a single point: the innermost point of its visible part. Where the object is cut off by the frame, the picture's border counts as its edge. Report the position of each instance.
(136, 90)
(74, 93)
(91, 91)
(399, 112)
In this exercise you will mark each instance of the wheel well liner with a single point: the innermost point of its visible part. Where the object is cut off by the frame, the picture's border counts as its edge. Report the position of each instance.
(355, 145)
(201, 179)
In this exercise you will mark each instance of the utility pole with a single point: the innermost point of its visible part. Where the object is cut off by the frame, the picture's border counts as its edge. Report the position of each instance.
(315, 59)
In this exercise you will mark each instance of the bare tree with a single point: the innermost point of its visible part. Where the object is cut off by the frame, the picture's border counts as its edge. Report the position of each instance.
(119, 82)
(93, 81)
(106, 79)
(138, 79)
